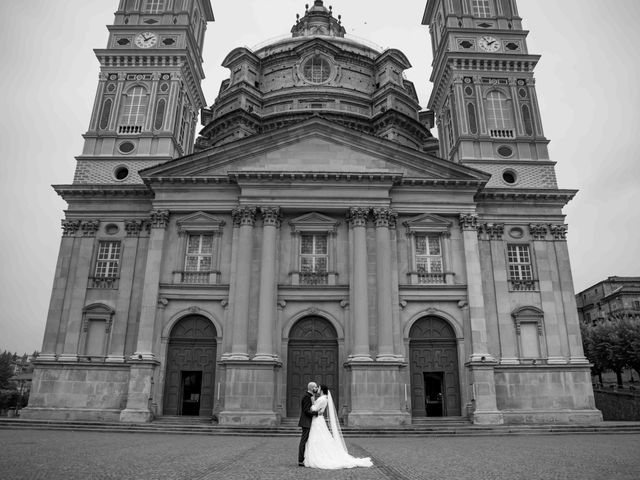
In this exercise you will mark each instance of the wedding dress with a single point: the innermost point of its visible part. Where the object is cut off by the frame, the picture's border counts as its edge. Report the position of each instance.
(326, 448)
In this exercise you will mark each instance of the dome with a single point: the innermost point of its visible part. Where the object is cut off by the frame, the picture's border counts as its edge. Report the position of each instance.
(316, 70)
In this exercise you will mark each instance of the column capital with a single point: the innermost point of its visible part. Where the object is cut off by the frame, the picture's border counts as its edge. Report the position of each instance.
(244, 216)
(271, 216)
(494, 231)
(559, 232)
(357, 216)
(468, 221)
(385, 217)
(133, 228)
(70, 227)
(538, 231)
(89, 227)
(159, 218)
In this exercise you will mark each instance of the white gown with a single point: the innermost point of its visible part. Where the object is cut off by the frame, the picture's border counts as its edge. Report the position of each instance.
(325, 450)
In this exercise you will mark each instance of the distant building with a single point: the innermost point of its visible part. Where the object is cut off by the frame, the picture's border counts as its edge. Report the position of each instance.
(615, 296)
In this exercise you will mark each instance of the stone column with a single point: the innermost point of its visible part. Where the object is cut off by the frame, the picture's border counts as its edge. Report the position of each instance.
(159, 219)
(244, 218)
(142, 371)
(358, 221)
(88, 230)
(63, 271)
(481, 363)
(384, 218)
(268, 284)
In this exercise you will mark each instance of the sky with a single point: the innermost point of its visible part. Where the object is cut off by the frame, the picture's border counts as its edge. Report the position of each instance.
(586, 84)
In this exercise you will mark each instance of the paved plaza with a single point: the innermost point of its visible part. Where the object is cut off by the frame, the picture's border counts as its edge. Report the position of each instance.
(64, 455)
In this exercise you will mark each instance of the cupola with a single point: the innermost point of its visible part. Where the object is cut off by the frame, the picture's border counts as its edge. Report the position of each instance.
(318, 20)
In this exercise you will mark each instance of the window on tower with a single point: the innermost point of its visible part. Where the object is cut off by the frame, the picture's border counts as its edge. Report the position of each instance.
(499, 117)
(154, 6)
(481, 8)
(520, 268)
(134, 110)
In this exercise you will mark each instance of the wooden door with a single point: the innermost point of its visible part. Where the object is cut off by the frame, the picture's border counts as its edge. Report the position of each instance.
(312, 356)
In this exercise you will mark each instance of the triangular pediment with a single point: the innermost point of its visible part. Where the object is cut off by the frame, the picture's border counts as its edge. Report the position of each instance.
(316, 145)
(427, 223)
(314, 221)
(199, 221)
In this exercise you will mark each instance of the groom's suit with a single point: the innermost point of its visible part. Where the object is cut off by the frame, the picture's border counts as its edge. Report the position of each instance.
(306, 415)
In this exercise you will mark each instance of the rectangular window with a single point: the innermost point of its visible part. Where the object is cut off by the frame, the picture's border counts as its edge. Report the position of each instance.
(134, 109)
(154, 6)
(428, 253)
(199, 256)
(519, 260)
(481, 8)
(108, 260)
(636, 304)
(314, 255)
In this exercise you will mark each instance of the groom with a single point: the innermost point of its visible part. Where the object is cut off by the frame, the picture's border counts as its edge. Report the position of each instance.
(306, 415)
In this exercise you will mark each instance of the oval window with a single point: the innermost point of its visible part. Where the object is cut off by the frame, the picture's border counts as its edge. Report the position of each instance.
(126, 147)
(509, 177)
(121, 173)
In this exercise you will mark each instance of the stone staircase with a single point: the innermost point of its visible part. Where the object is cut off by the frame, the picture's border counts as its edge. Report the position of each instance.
(452, 426)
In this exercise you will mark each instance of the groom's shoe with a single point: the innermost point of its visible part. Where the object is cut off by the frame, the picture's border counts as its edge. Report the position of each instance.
(300, 464)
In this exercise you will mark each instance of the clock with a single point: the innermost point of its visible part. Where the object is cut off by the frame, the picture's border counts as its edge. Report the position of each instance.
(489, 44)
(146, 39)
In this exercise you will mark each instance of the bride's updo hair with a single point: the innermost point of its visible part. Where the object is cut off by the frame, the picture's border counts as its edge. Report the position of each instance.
(324, 389)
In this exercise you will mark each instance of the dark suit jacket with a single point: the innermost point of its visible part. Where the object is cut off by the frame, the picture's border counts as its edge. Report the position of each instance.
(306, 415)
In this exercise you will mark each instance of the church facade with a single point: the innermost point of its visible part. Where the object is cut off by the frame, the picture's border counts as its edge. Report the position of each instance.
(314, 230)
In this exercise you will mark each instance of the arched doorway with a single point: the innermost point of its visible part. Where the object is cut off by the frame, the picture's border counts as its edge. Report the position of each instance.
(191, 363)
(312, 356)
(433, 352)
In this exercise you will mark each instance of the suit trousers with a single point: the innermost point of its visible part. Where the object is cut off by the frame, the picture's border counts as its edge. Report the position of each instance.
(303, 444)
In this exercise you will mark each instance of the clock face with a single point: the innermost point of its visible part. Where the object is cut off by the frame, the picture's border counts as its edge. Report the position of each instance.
(146, 39)
(489, 44)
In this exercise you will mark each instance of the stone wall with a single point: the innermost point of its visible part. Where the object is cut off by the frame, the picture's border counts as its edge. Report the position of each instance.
(617, 405)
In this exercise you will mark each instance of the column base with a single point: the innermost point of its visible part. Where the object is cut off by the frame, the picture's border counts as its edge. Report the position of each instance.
(234, 357)
(487, 418)
(143, 356)
(482, 358)
(265, 357)
(115, 359)
(136, 416)
(360, 358)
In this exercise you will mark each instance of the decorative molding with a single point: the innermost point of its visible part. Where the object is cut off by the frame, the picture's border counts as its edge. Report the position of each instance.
(314, 222)
(199, 222)
(271, 216)
(163, 302)
(244, 216)
(358, 216)
(70, 227)
(468, 221)
(384, 217)
(559, 232)
(538, 231)
(159, 218)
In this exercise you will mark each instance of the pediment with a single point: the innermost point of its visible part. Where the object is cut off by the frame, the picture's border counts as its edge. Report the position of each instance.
(199, 221)
(313, 221)
(427, 223)
(316, 145)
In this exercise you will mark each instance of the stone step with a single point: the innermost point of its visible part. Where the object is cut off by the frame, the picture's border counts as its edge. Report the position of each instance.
(294, 431)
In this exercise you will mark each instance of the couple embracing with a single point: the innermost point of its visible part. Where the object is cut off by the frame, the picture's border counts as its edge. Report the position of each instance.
(319, 446)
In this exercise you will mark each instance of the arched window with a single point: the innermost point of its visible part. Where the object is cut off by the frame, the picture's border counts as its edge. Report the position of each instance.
(106, 113)
(154, 6)
(526, 117)
(498, 112)
(473, 122)
(135, 105)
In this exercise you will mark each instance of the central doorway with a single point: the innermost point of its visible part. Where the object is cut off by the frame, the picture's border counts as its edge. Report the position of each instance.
(191, 363)
(433, 353)
(312, 355)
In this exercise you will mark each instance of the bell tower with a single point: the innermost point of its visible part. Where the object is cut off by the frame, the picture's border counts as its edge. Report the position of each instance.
(484, 93)
(149, 91)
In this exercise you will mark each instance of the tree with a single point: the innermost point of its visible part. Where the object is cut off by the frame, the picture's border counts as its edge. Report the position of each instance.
(6, 369)
(589, 341)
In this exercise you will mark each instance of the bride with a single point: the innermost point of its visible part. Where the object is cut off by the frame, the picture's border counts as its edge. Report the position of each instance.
(326, 448)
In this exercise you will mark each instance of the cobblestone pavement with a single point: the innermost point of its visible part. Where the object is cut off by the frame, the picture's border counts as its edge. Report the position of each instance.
(56, 455)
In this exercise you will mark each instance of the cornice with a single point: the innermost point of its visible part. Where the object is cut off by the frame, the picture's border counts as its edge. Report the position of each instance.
(95, 190)
(525, 194)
